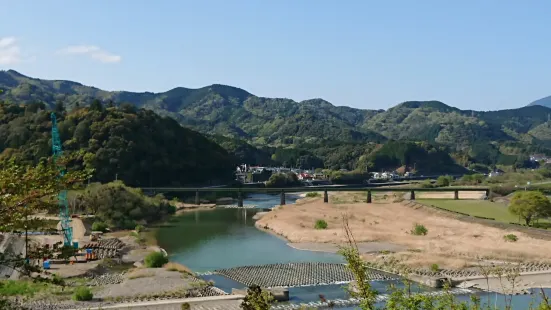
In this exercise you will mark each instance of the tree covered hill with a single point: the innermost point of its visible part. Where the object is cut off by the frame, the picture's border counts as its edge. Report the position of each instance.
(262, 130)
(232, 112)
(135, 146)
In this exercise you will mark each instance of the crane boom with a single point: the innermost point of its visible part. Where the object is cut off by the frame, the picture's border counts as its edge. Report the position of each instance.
(65, 219)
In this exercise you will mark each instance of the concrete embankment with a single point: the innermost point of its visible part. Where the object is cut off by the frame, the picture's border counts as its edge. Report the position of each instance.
(11, 246)
(227, 302)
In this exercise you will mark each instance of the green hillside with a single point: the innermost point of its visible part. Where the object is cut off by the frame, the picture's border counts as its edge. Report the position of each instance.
(255, 128)
(137, 147)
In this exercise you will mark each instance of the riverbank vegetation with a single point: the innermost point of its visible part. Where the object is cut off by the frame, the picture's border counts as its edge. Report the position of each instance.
(117, 206)
(530, 205)
(283, 180)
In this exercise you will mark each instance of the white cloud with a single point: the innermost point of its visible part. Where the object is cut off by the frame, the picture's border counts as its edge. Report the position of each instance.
(91, 51)
(10, 53)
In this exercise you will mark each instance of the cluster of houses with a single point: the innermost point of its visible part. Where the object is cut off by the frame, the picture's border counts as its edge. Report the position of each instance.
(390, 175)
(246, 173)
(540, 158)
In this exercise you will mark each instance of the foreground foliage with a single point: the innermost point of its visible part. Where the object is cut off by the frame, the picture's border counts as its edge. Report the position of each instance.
(25, 190)
(256, 299)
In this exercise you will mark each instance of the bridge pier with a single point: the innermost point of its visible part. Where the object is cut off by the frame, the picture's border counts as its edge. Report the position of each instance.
(239, 199)
(412, 195)
(282, 198)
(456, 195)
(368, 196)
(197, 201)
(325, 197)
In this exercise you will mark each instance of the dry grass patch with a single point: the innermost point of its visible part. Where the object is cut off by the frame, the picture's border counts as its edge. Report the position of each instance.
(170, 266)
(450, 242)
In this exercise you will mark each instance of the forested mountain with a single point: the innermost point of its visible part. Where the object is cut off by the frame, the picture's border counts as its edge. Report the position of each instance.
(262, 130)
(135, 146)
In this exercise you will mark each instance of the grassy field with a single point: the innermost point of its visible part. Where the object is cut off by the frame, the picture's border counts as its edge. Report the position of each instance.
(483, 208)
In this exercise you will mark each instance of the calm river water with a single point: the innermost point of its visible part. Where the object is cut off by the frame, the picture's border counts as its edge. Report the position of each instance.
(224, 238)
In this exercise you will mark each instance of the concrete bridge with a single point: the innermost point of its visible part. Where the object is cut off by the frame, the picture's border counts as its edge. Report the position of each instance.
(325, 189)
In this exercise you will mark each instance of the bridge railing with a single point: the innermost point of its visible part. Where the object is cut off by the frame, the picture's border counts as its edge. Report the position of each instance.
(325, 190)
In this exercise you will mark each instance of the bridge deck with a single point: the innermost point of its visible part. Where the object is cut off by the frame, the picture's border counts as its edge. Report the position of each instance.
(315, 188)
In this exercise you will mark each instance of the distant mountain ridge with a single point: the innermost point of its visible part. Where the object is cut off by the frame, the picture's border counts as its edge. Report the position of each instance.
(546, 102)
(233, 112)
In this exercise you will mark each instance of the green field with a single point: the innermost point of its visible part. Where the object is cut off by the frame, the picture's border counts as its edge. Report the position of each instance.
(483, 208)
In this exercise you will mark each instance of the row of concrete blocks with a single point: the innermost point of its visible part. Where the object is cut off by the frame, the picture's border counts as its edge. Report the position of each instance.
(296, 274)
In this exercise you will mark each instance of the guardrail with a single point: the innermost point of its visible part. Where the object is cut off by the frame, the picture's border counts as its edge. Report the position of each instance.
(325, 189)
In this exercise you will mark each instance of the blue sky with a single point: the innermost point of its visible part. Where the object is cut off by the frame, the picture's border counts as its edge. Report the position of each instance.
(483, 55)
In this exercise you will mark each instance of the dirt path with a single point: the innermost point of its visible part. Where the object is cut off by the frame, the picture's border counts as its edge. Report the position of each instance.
(79, 230)
(363, 247)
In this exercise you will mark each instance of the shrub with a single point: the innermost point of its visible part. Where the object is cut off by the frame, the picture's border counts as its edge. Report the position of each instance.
(510, 238)
(320, 224)
(443, 181)
(186, 306)
(256, 298)
(82, 294)
(139, 228)
(434, 268)
(426, 184)
(419, 230)
(503, 189)
(312, 194)
(99, 226)
(177, 267)
(155, 260)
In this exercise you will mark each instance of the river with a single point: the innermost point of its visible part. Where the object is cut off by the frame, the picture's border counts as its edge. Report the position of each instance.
(214, 239)
(223, 238)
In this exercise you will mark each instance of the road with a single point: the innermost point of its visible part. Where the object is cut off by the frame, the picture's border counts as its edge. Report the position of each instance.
(229, 302)
(79, 230)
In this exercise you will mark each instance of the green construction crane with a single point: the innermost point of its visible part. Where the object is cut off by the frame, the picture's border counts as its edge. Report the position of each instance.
(62, 197)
